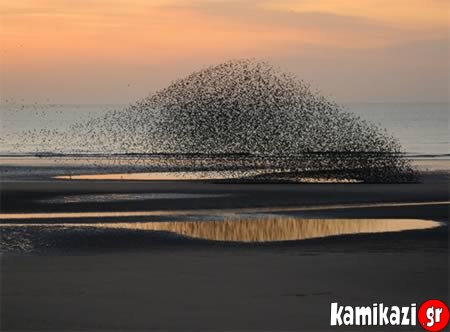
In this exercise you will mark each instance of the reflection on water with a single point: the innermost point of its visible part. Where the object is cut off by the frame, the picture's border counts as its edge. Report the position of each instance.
(101, 198)
(160, 176)
(276, 228)
(191, 175)
(266, 229)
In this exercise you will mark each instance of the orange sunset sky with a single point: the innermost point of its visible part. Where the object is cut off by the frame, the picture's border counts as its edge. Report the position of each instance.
(117, 51)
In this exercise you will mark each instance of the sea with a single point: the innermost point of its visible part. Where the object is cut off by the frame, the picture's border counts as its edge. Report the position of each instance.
(422, 128)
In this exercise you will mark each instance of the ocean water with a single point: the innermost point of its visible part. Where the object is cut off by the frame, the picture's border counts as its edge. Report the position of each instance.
(421, 128)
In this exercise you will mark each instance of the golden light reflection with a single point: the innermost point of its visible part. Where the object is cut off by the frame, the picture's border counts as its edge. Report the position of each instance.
(277, 228)
(192, 175)
(268, 229)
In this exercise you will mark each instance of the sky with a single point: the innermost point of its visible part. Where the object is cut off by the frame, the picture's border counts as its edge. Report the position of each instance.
(118, 51)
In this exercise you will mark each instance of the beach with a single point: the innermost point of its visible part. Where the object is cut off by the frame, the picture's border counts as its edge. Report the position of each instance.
(193, 165)
(77, 278)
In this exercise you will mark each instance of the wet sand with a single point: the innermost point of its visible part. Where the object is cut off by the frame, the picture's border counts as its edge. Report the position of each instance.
(118, 279)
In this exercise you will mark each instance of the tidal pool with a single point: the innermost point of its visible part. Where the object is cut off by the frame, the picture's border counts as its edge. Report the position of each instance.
(193, 175)
(261, 229)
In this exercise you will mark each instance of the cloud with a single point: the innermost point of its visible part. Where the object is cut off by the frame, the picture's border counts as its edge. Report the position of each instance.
(345, 23)
(398, 12)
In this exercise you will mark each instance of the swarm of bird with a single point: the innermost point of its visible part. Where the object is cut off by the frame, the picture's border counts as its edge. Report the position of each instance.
(244, 116)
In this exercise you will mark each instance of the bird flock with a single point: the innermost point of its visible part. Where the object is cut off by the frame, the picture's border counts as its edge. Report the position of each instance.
(241, 116)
